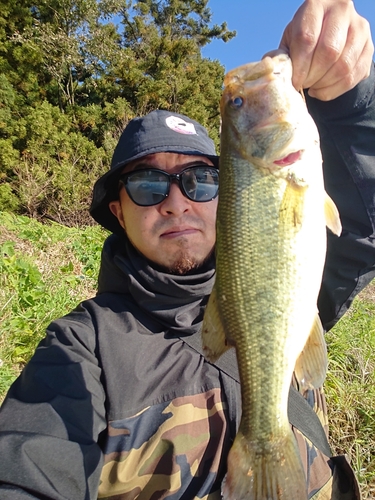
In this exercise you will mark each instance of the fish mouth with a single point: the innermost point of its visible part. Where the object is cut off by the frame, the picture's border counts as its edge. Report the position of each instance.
(289, 159)
(177, 231)
(262, 72)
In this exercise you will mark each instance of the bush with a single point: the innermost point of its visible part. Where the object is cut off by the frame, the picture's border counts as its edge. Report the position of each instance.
(56, 171)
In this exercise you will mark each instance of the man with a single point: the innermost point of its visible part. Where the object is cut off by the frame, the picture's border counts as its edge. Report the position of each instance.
(115, 403)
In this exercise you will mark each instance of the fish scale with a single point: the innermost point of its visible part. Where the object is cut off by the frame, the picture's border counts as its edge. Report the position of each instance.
(270, 251)
(258, 254)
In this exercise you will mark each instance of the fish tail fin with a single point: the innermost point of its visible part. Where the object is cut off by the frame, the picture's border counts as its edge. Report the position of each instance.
(265, 471)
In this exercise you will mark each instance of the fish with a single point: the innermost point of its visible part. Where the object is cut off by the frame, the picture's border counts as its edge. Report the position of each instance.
(270, 252)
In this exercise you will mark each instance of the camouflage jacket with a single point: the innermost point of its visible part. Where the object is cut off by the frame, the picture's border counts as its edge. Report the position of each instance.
(115, 405)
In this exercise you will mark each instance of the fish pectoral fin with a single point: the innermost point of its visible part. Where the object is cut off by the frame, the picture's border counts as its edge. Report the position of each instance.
(214, 341)
(311, 365)
(291, 209)
(332, 216)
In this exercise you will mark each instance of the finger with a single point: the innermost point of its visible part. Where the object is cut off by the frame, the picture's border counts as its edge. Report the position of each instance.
(300, 39)
(330, 45)
(335, 56)
(344, 64)
(345, 83)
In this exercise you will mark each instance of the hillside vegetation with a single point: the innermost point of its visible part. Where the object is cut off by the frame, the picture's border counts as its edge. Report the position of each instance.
(72, 75)
(46, 269)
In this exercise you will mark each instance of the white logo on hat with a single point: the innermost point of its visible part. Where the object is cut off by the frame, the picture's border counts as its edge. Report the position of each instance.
(179, 125)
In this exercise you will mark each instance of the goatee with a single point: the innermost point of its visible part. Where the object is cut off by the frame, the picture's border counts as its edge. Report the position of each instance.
(185, 264)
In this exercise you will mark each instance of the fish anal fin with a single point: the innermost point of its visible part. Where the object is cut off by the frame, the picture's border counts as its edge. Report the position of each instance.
(311, 366)
(332, 216)
(214, 341)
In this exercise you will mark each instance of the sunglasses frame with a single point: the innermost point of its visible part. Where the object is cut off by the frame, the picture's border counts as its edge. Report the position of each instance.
(170, 178)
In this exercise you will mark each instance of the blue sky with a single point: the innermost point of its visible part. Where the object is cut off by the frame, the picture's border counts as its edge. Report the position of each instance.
(259, 25)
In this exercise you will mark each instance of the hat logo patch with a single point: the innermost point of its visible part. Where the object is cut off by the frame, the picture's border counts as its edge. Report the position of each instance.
(179, 125)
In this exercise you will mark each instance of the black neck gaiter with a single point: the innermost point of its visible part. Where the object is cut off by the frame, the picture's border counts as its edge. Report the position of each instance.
(176, 302)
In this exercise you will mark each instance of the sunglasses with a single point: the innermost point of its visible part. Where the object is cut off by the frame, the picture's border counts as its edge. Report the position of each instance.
(151, 186)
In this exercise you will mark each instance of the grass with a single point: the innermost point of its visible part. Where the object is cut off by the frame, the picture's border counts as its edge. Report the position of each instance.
(47, 269)
(350, 388)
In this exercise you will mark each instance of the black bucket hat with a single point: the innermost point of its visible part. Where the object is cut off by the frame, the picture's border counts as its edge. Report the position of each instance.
(158, 132)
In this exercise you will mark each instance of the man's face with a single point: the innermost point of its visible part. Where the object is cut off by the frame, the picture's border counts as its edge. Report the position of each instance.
(177, 234)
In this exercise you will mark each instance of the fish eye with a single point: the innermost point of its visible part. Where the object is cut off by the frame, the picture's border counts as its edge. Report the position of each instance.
(236, 102)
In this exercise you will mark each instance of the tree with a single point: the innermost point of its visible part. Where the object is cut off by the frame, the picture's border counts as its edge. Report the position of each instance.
(57, 167)
(76, 71)
(58, 33)
(160, 64)
(18, 62)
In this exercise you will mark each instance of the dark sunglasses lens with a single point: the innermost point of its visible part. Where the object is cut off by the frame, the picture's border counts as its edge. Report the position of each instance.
(200, 183)
(147, 187)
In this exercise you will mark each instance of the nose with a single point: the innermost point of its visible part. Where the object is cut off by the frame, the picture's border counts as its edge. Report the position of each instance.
(176, 202)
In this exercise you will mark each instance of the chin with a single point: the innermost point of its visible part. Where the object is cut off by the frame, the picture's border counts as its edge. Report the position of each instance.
(183, 266)
(185, 263)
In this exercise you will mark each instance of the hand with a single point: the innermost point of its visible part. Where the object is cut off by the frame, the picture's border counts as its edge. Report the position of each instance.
(330, 46)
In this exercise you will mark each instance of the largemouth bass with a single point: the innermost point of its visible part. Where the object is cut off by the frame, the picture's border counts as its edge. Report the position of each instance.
(270, 251)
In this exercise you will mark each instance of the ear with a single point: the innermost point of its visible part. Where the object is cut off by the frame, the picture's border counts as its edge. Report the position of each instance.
(116, 209)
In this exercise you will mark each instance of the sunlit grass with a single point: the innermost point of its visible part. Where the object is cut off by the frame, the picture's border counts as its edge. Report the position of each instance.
(350, 388)
(45, 271)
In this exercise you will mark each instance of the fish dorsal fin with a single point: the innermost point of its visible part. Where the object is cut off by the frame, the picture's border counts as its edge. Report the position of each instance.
(332, 216)
(214, 341)
(311, 365)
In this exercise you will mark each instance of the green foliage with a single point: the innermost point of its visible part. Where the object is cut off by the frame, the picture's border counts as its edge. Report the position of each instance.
(71, 79)
(45, 271)
(7, 102)
(8, 200)
(21, 66)
(58, 167)
(161, 66)
(350, 388)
